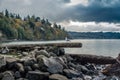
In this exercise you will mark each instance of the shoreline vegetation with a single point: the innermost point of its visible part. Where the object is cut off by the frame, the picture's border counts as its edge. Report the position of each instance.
(51, 63)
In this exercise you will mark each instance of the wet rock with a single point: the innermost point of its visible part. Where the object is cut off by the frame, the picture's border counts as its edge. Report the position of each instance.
(37, 75)
(2, 61)
(8, 75)
(71, 73)
(42, 52)
(57, 77)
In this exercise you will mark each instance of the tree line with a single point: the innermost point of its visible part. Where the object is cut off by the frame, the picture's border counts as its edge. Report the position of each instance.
(12, 26)
(94, 35)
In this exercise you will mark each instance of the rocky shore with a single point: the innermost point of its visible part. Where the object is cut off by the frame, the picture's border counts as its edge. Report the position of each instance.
(54, 64)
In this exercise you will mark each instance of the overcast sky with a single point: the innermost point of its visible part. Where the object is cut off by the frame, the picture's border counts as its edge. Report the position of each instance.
(74, 15)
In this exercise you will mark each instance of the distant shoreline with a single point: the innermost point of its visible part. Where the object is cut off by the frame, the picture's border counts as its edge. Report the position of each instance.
(94, 35)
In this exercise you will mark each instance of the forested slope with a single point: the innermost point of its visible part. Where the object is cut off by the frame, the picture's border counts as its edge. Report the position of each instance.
(12, 26)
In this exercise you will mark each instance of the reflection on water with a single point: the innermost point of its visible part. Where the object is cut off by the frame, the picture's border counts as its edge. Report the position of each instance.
(106, 47)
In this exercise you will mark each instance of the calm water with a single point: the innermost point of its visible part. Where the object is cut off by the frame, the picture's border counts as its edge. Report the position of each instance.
(106, 47)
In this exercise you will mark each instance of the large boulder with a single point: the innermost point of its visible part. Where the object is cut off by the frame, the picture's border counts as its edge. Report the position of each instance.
(8, 75)
(57, 77)
(53, 65)
(37, 75)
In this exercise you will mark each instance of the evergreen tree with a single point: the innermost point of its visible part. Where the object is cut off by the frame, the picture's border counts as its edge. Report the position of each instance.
(6, 13)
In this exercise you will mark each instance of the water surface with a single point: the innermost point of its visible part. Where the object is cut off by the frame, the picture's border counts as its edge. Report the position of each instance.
(105, 47)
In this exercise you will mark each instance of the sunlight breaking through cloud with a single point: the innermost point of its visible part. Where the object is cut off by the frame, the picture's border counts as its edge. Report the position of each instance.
(91, 26)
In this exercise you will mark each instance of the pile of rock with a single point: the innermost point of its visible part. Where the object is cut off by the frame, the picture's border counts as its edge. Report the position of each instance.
(48, 65)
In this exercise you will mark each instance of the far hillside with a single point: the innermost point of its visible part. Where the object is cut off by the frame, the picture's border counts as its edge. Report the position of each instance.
(13, 27)
(94, 35)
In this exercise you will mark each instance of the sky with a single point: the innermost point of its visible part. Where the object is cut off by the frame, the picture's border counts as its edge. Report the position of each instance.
(74, 15)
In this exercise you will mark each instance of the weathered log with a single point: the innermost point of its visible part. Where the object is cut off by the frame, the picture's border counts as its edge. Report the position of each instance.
(87, 58)
(34, 44)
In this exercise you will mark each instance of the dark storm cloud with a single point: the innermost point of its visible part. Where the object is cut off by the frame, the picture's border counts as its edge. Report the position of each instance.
(57, 11)
(96, 10)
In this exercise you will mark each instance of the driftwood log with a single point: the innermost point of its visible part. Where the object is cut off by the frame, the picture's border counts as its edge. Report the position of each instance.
(34, 44)
(87, 58)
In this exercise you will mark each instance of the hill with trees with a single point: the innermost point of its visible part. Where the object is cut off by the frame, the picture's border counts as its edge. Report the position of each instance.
(12, 26)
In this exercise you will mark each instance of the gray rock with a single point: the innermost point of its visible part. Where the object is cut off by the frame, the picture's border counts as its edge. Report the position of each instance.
(42, 52)
(91, 67)
(17, 74)
(37, 75)
(19, 67)
(57, 77)
(61, 51)
(41, 64)
(11, 63)
(82, 68)
(71, 73)
(29, 62)
(86, 77)
(76, 79)
(112, 78)
(35, 66)
(52, 54)
(22, 79)
(53, 65)
(25, 53)
(2, 61)
(27, 68)
(1, 75)
(8, 75)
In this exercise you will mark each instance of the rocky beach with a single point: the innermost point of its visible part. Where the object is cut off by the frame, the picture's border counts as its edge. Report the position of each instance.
(53, 64)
